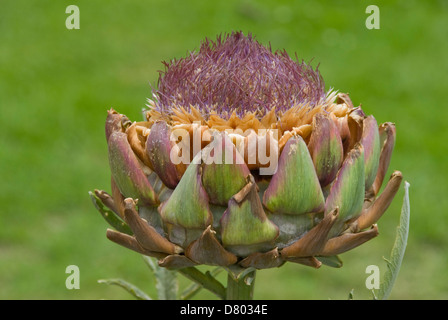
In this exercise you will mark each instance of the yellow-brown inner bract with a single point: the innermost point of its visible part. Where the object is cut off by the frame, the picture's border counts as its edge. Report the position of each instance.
(295, 121)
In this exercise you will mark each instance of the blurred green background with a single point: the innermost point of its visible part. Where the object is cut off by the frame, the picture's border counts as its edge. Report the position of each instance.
(56, 85)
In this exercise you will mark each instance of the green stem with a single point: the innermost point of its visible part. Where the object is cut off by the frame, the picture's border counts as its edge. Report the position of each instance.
(241, 288)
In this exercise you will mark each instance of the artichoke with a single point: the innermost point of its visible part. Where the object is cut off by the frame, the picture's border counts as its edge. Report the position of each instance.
(243, 159)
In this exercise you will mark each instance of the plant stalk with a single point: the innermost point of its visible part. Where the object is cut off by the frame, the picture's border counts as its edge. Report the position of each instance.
(240, 288)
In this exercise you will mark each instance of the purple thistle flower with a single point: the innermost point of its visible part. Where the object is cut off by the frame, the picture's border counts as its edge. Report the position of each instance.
(238, 73)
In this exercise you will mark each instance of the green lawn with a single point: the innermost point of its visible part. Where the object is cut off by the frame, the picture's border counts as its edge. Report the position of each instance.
(56, 85)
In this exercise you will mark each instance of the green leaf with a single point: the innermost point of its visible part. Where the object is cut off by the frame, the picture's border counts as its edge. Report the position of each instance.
(111, 217)
(194, 288)
(133, 290)
(166, 284)
(398, 250)
(166, 280)
(150, 262)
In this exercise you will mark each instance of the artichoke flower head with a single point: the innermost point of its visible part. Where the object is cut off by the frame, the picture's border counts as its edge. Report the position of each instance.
(244, 159)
